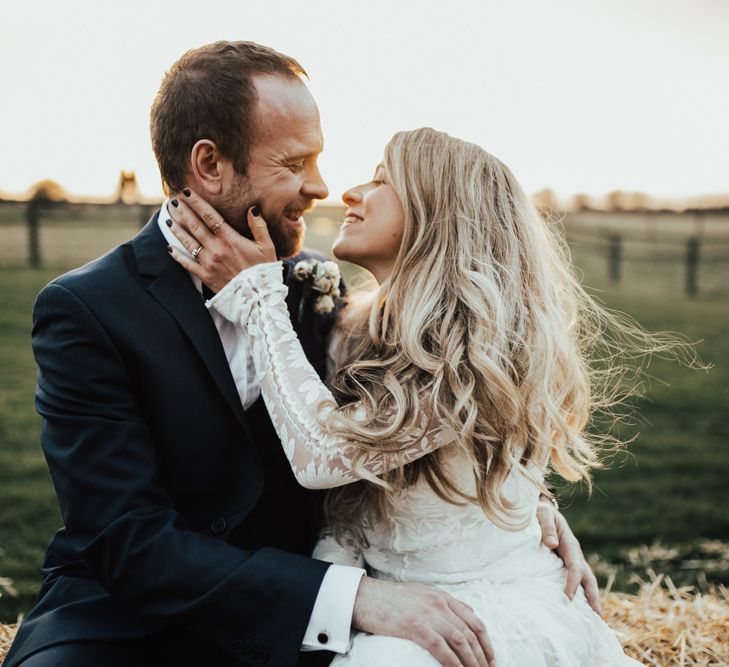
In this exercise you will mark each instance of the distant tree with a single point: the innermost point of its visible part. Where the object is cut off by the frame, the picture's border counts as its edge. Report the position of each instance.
(127, 190)
(619, 200)
(545, 200)
(581, 202)
(47, 191)
(44, 195)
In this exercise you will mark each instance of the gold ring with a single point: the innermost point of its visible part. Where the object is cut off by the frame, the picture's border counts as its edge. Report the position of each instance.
(197, 251)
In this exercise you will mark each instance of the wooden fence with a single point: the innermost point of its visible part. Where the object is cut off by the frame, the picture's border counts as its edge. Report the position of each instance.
(691, 255)
(607, 248)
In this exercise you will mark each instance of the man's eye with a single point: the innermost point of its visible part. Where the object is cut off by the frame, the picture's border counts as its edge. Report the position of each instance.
(296, 166)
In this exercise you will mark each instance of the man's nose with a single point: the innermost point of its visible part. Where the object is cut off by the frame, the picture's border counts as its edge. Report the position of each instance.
(315, 187)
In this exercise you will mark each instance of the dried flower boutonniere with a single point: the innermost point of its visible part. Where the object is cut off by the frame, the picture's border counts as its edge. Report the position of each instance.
(321, 277)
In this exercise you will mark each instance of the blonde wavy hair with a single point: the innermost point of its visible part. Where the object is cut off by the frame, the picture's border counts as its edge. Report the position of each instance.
(483, 325)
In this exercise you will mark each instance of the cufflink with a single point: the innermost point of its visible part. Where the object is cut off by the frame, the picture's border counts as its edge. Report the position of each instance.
(323, 637)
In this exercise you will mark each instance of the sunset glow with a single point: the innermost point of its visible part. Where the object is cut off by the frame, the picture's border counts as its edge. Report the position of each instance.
(579, 97)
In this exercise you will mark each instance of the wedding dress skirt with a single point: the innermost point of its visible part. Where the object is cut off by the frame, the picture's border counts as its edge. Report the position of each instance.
(513, 582)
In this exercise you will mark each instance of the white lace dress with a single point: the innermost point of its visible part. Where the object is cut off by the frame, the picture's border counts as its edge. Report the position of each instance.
(511, 580)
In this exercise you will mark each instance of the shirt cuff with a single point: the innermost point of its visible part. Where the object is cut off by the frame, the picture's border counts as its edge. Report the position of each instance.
(331, 620)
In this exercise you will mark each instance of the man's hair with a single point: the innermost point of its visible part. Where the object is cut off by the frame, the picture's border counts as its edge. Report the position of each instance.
(209, 94)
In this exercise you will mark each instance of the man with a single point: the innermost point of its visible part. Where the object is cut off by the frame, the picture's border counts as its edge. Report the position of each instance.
(186, 537)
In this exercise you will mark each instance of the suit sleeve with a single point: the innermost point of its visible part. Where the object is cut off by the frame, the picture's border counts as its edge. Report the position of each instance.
(119, 517)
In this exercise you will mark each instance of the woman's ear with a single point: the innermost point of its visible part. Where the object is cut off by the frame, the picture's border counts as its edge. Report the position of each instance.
(208, 167)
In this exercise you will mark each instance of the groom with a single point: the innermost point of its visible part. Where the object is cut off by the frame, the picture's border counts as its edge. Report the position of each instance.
(186, 537)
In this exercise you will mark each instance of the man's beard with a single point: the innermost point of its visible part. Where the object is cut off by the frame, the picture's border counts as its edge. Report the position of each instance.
(287, 242)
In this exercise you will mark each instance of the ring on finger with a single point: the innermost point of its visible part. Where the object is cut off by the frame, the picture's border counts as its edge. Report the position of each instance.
(197, 251)
(215, 229)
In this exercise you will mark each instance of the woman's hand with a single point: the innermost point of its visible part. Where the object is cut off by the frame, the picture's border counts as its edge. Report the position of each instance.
(220, 253)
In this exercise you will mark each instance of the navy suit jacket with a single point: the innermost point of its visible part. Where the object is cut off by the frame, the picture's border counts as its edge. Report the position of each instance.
(170, 495)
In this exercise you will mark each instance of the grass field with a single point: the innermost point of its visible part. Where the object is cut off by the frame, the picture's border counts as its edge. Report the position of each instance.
(671, 486)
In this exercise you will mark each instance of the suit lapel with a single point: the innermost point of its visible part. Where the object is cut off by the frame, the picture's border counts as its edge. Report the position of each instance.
(172, 287)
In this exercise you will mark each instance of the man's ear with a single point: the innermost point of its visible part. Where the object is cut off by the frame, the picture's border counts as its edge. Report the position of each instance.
(208, 167)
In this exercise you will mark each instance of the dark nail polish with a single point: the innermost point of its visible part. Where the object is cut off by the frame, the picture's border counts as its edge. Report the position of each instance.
(186, 192)
(256, 211)
(169, 249)
(168, 222)
(175, 203)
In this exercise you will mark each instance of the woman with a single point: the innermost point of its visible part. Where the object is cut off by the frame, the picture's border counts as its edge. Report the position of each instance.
(459, 384)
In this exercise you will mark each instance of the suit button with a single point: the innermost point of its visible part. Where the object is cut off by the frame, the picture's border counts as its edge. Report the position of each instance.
(262, 656)
(239, 647)
(218, 525)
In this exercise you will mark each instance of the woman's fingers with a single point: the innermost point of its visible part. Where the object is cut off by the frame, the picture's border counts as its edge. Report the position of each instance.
(185, 262)
(191, 243)
(259, 231)
(215, 260)
(186, 217)
(205, 213)
(217, 257)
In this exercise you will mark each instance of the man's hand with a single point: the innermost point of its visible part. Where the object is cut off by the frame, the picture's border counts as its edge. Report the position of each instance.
(557, 535)
(445, 627)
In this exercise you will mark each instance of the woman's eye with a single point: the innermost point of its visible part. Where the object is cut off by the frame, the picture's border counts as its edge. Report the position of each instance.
(378, 181)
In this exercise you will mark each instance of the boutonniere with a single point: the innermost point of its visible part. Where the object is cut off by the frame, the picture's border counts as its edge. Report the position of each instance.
(321, 277)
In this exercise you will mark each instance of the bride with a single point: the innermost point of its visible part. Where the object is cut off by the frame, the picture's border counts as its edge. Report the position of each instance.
(457, 385)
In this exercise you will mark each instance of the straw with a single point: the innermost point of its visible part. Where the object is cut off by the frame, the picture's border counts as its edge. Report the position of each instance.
(662, 625)
(668, 625)
(7, 633)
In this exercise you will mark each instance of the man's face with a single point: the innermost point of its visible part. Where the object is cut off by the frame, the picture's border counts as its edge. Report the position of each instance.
(282, 177)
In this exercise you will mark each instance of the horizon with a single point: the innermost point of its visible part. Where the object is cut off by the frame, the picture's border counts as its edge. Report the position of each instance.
(581, 99)
(632, 200)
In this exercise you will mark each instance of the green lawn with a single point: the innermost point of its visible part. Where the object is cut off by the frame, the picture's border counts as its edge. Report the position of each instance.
(672, 485)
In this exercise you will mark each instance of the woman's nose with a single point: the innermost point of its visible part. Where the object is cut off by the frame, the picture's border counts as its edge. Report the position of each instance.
(352, 196)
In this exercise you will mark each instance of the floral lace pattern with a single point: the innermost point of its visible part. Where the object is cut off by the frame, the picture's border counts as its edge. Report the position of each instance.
(296, 398)
(511, 580)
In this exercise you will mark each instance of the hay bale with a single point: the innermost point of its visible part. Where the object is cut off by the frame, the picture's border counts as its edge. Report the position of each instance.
(660, 626)
(7, 633)
(664, 625)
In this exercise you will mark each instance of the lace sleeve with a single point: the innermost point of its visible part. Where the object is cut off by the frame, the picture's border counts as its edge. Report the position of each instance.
(297, 400)
(330, 550)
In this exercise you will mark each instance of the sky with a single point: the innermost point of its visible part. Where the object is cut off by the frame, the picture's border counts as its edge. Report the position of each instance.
(573, 95)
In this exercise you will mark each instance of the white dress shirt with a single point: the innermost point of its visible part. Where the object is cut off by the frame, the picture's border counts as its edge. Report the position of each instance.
(331, 619)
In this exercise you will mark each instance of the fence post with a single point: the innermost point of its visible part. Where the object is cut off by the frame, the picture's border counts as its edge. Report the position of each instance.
(33, 216)
(692, 266)
(614, 257)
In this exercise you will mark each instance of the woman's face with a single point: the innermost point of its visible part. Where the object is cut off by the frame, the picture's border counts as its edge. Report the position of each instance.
(373, 226)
